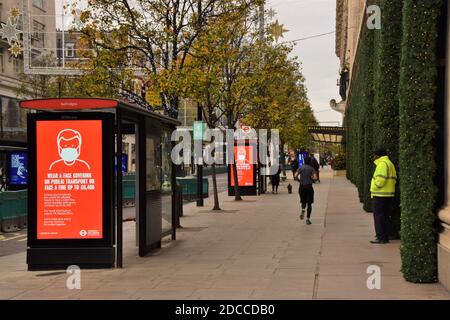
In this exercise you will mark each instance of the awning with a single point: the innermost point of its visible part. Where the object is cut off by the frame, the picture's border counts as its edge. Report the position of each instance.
(327, 134)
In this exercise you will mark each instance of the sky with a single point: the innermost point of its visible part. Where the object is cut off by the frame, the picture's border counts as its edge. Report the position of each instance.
(304, 18)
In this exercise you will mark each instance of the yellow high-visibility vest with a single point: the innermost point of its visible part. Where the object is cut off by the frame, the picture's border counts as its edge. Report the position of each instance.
(384, 178)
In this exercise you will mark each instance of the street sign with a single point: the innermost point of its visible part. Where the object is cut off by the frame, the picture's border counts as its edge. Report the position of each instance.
(245, 133)
(199, 130)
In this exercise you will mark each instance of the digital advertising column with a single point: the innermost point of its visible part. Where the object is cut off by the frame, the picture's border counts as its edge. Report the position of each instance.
(243, 156)
(246, 167)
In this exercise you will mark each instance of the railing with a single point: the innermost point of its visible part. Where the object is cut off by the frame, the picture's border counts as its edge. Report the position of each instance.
(13, 210)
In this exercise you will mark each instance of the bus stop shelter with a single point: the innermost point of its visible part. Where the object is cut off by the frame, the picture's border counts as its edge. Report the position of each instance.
(75, 211)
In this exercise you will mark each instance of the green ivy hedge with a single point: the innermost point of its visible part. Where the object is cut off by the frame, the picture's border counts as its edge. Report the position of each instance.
(417, 131)
(391, 105)
(338, 162)
(360, 121)
(386, 100)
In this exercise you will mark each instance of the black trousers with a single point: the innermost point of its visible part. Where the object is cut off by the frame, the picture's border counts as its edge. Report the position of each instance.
(306, 198)
(381, 212)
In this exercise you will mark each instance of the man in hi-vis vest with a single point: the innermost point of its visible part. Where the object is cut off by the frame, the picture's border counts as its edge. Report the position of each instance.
(382, 189)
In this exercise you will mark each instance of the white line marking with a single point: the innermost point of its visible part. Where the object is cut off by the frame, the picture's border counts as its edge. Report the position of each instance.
(12, 238)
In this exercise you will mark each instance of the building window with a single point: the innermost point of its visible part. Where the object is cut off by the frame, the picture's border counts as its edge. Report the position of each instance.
(2, 59)
(38, 31)
(20, 25)
(70, 50)
(38, 3)
(17, 65)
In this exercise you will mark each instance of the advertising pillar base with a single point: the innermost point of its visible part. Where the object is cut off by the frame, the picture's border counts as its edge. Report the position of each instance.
(61, 258)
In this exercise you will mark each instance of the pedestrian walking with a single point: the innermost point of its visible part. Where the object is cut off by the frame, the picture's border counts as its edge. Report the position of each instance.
(315, 164)
(322, 161)
(293, 161)
(382, 189)
(275, 180)
(306, 175)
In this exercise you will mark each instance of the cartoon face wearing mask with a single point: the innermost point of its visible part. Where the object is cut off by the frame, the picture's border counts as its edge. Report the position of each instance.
(69, 145)
(69, 149)
(241, 155)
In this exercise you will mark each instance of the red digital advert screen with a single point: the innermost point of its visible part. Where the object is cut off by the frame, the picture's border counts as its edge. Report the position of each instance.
(243, 156)
(69, 179)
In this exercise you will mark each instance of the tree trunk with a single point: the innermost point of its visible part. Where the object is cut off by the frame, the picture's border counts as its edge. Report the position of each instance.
(215, 191)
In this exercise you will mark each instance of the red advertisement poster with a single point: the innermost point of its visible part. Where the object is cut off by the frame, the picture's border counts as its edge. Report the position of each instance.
(69, 179)
(243, 155)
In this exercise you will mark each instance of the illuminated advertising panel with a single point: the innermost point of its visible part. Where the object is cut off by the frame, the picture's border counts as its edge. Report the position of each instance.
(124, 163)
(301, 158)
(243, 156)
(18, 172)
(69, 179)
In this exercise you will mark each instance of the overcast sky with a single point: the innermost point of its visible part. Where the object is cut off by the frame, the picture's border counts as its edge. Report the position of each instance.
(304, 18)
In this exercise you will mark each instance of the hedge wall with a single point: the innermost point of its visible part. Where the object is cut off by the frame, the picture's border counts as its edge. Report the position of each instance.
(417, 131)
(359, 121)
(386, 101)
(391, 104)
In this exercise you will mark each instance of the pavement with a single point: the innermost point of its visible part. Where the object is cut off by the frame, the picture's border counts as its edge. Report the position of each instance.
(13, 242)
(253, 249)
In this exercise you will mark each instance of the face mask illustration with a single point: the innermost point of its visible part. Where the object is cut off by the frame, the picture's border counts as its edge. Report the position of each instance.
(69, 144)
(69, 154)
(241, 155)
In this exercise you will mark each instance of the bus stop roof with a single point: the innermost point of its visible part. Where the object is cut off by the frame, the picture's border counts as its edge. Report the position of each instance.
(92, 104)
